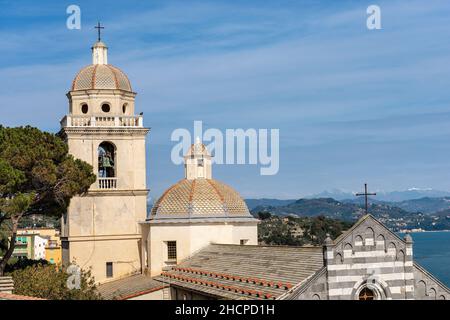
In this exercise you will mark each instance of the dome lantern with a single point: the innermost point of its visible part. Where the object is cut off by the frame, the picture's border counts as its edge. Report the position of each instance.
(99, 53)
(197, 162)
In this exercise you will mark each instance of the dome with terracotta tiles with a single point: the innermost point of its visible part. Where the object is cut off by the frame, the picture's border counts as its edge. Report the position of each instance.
(198, 195)
(200, 198)
(100, 74)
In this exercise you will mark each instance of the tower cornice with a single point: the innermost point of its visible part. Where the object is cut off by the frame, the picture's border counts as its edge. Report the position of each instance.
(97, 132)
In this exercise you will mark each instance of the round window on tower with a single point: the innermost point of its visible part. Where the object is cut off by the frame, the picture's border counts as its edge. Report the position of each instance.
(124, 108)
(84, 108)
(106, 107)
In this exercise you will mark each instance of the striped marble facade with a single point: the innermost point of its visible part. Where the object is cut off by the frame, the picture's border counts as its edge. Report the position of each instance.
(370, 256)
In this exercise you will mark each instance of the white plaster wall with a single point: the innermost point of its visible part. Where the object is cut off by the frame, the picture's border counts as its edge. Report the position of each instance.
(191, 238)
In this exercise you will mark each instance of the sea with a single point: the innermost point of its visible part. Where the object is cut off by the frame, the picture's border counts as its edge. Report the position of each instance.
(432, 251)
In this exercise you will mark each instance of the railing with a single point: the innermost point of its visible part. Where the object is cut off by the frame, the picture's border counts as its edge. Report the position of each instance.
(107, 183)
(102, 121)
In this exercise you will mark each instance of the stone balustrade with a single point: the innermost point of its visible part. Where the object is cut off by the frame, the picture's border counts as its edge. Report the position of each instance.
(107, 183)
(102, 121)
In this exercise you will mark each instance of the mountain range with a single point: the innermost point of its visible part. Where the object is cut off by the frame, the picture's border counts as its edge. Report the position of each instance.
(424, 213)
(390, 196)
(331, 208)
(424, 205)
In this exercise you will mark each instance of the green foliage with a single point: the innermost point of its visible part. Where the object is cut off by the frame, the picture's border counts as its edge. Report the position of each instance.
(290, 230)
(37, 176)
(48, 281)
(37, 164)
(39, 221)
(262, 215)
(23, 263)
(3, 239)
(10, 178)
(19, 203)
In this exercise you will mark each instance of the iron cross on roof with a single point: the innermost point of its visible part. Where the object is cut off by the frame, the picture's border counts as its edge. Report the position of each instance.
(365, 194)
(99, 27)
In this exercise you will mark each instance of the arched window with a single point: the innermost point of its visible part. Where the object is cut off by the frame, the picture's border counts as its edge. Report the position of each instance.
(106, 160)
(84, 108)
(421, 289)
(432, 294)
(369, 237)
(358, 240)
(366, 294)
(392, 251)
(381, 242)
(401, 256)
(348, 251)
(124, 108)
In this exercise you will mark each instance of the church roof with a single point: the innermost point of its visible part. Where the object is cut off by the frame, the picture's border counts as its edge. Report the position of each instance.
(129, 287)
(101, 76)
(9, 296)
(244, 271)
(200, 198)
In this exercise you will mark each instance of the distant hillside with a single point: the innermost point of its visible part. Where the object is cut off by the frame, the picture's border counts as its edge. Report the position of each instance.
(330, 208)
(394, 217)
(390, 196)
(425, 205)
(253, 203)
(443, 213)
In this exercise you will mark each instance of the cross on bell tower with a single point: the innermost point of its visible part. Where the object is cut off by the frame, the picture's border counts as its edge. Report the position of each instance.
(365, 194)
(99, 27)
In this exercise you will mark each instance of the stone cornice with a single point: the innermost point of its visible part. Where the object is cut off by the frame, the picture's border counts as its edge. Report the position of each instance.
(203, 220)
(102, 237)
(100, 92)
(117, 192)
(101, 131)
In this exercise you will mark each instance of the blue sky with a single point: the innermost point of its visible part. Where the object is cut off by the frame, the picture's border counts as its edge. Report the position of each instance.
(352, 105)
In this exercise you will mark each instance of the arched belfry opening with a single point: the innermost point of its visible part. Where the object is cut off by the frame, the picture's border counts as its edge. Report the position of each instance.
(106, 160)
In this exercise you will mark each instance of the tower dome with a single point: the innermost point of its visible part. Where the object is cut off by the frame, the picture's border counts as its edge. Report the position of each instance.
(100, 74)
(199, 198)
(198, 195)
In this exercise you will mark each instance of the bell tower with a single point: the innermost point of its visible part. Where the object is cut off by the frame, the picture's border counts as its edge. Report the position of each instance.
(101, 228)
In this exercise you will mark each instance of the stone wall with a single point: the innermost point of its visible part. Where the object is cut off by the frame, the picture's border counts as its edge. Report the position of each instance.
(427, 287)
